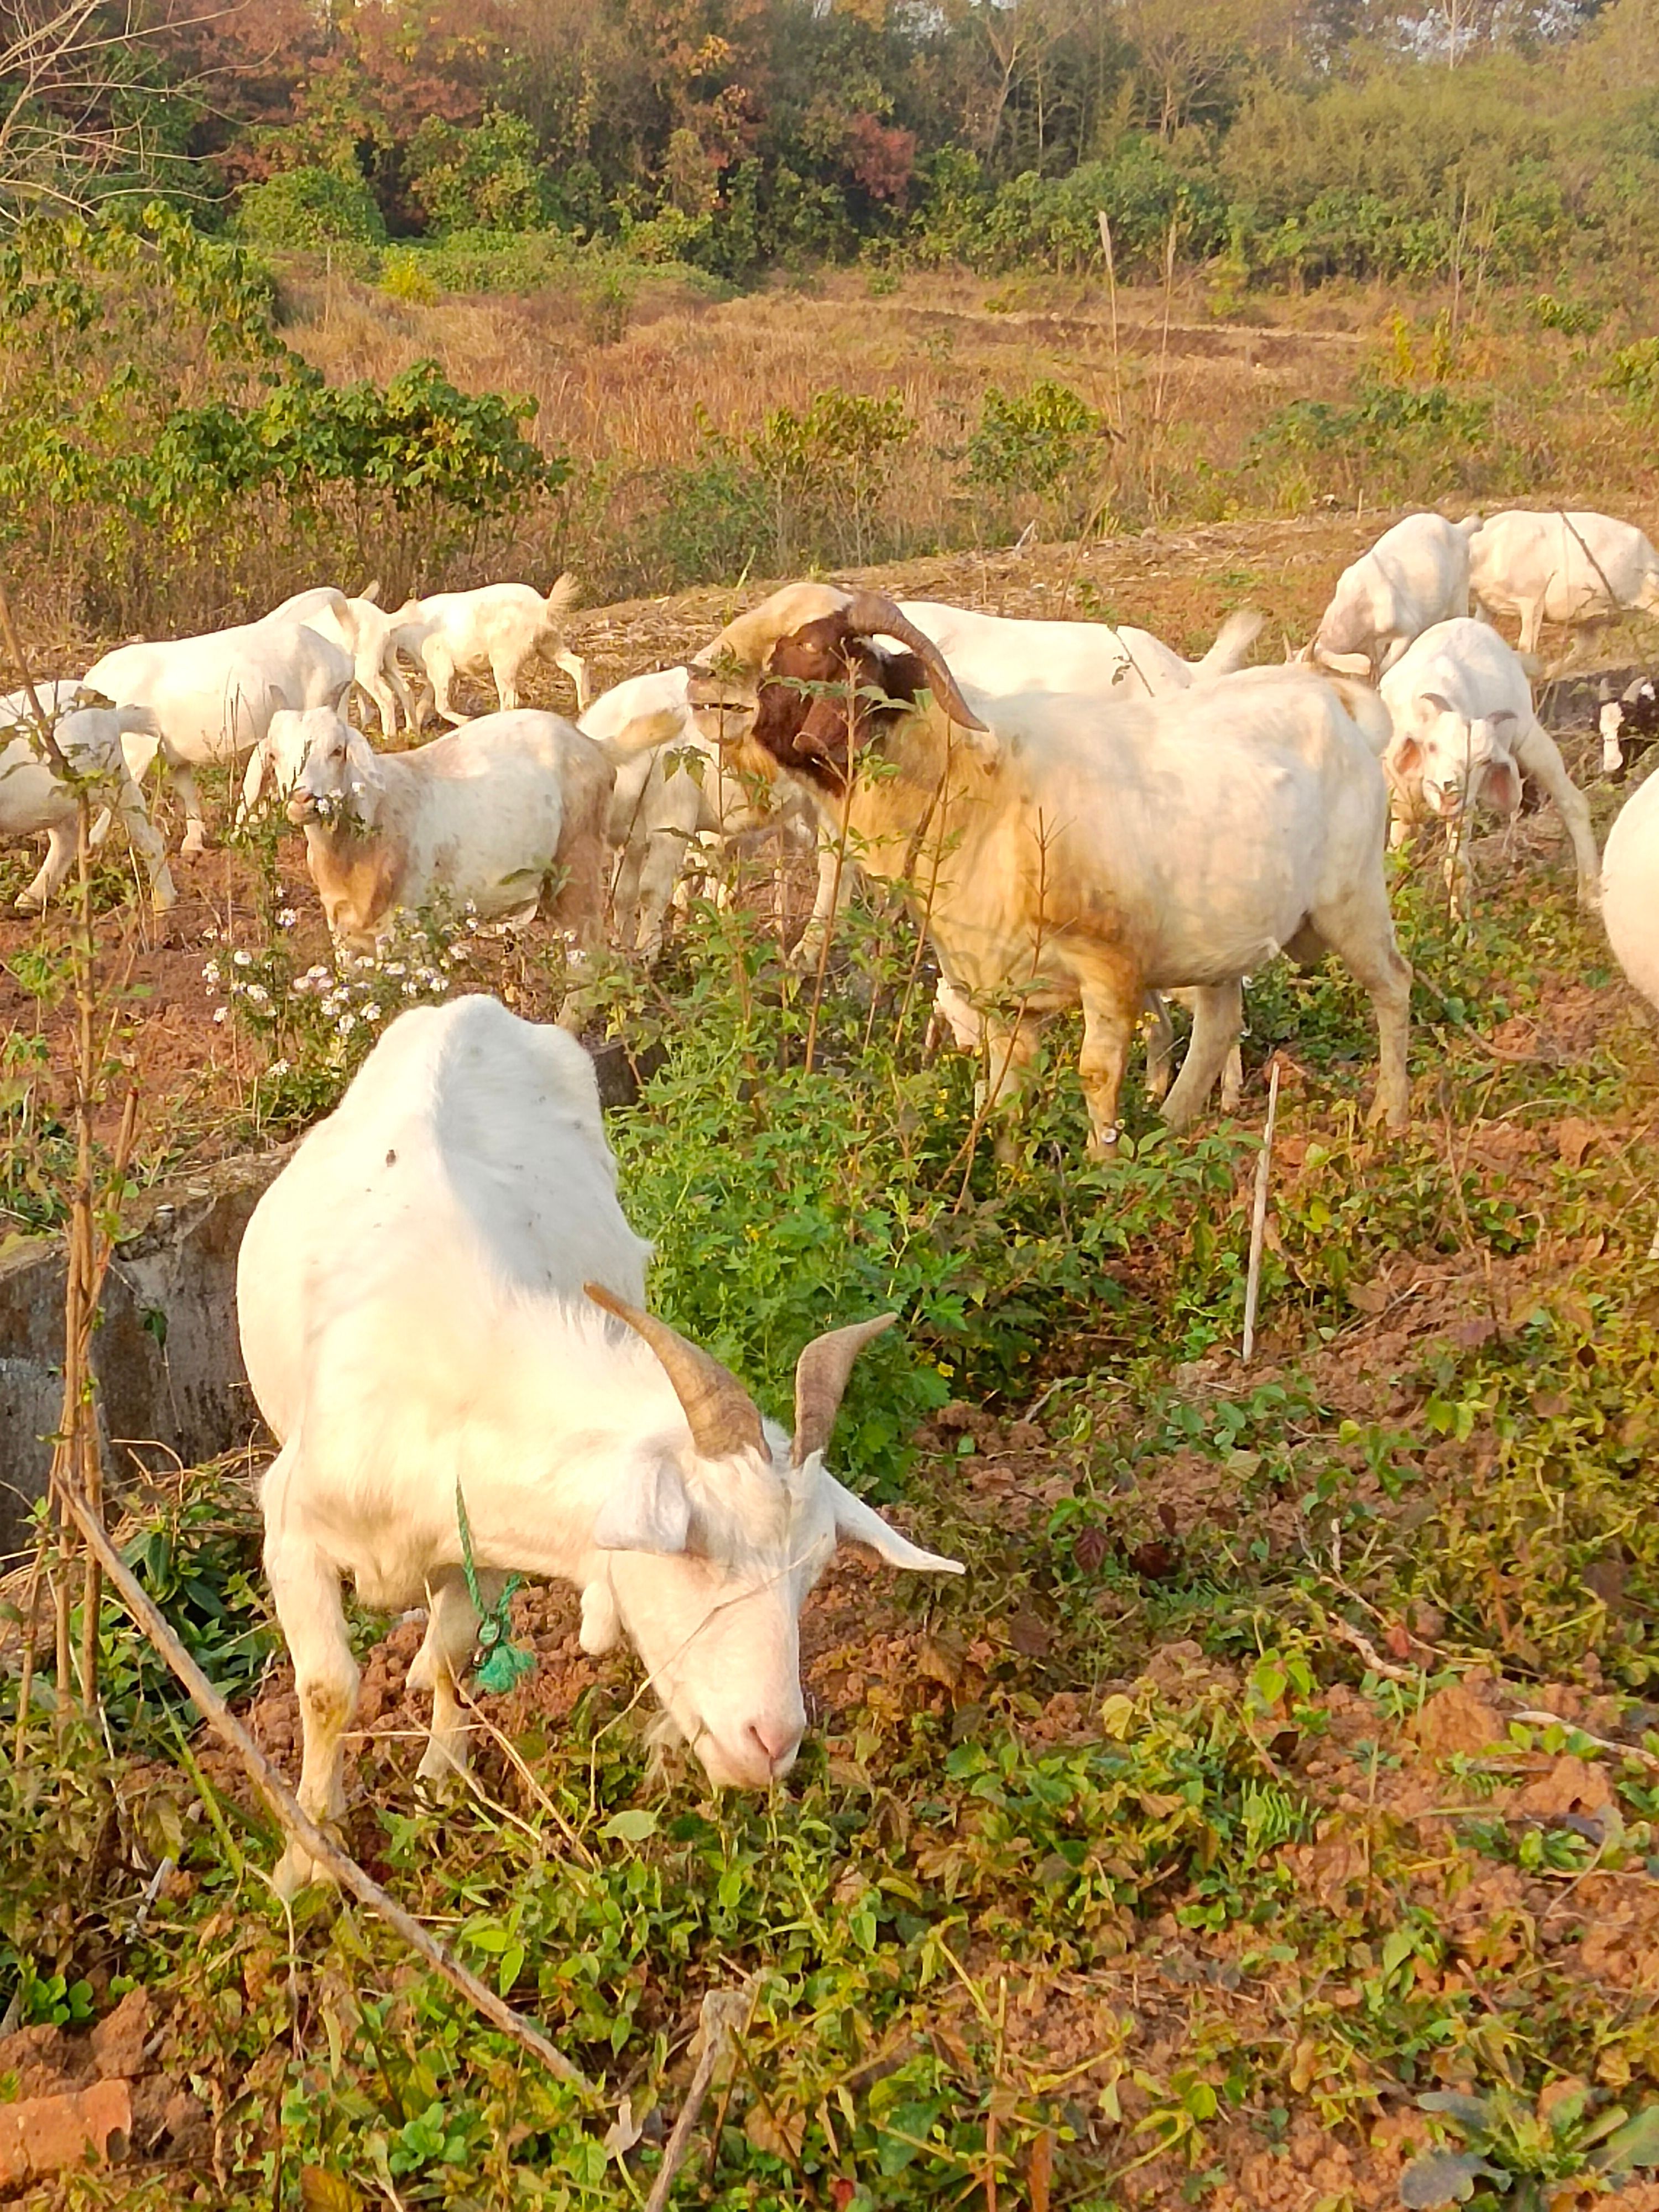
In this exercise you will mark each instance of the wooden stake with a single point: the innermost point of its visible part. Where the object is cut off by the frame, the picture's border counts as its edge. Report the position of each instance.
(723, 2014)
(1259, 1218)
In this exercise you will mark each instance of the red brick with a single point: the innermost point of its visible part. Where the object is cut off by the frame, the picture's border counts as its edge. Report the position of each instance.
(43, 2134)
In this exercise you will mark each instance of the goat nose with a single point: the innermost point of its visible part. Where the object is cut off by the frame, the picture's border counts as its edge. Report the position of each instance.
(776, 1741)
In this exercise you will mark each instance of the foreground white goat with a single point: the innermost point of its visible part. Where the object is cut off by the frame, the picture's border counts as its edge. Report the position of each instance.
(411, 1297)
(1561, 568)
(997, 654)
(1078, 850)
(1464, 731)
(493, 813)
(495, 631)
(34, 798)
(1415, 576)
(212, 697)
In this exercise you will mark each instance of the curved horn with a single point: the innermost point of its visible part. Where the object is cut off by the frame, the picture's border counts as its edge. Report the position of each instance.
(722, 1415)
(821, 1374)
(874, 611)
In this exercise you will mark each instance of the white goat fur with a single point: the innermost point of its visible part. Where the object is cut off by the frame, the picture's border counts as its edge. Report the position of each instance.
(488, 813)
(409, 1293)
(674, 790)
(1089, 851)
(996, 654)
(494, 630)
(1561, 568)
(212, 697)
(1630, 889)
(1415, 576)
(1464, 731)
(362, 628)
(33, 799)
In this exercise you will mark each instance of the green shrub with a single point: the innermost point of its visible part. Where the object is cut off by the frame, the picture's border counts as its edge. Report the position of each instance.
(488, 177)
(1033, 441)
(1633, 373)
(310, 207)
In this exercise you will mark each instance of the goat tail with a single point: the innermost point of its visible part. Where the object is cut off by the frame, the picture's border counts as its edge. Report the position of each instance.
(1232, 644)
(1469, 525)
(562, 597)
(1364, 708)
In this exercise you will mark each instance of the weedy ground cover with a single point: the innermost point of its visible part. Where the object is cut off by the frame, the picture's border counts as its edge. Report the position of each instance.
(1268, 1819)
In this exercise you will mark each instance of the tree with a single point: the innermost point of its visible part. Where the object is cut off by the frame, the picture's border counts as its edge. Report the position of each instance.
(82, 110)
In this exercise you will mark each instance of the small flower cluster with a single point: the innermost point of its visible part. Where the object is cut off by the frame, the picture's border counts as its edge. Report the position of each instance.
(318, 1023)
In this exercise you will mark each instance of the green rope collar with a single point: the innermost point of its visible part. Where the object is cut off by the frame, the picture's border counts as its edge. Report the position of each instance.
(501, 1664)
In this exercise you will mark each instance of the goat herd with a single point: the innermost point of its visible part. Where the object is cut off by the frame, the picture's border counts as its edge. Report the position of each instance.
(441, 1304)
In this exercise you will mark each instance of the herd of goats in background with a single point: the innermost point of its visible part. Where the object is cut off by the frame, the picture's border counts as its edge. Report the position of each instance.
(441, 1304)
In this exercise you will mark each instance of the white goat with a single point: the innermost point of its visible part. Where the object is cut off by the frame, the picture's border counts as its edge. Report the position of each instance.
(1464, 731)
(1630, 889)
(495, 631)
(492, 813)
(362, 628)
(1080, 850)
(33, 798)
(1561, 568)
(212, 697)
(1415, 576)
(411, 1297)
(998, 654)
(674, 791)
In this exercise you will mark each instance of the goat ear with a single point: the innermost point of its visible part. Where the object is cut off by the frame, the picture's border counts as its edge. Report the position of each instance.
(1501, 714)
(859, 1523)
(338, 696)
(648, 1512)
(1435, 703)
(1405, 756)
(1500, 785)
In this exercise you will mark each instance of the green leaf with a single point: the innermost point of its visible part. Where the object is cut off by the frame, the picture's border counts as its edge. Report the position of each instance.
(632, 1827)
(1637, 2143)
(323, 2191)
(1445, 2177)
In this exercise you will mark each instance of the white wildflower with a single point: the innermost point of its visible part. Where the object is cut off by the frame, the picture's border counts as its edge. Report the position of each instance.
(277, 1068)
(344, 1026)
(221, 1013)
(372, 1012)
(286, 918)
(211, 973)
(256, 995)
(241, 958)
(397, 967)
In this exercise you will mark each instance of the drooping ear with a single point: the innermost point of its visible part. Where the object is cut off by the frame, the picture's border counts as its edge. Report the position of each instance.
(1500, 785)
(646, 1511)
(1404, 756)
(1501, 715)
(337, 696)
(859, 1523)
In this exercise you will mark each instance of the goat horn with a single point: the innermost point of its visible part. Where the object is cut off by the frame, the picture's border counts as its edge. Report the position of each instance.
(821, 1374)
(722, 1415)
(870, 612)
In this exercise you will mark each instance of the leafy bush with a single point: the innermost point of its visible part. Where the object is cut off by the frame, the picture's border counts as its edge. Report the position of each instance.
(1031, 441)
(310, 207)
(488, 177)
(1633, 373)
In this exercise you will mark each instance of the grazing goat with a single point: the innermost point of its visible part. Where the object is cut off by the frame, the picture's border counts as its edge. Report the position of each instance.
(1628, 722)
(361, 627)
(1415, 576)
(34, 798)
(1464, 731)
(411, 1297)
(212, 697)
(675, 790)
(1080, 850)
(1561, 568)
(995, 654)
(496, 630)
(491, 813)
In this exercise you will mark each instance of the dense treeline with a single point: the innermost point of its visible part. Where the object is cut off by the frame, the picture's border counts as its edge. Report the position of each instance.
(1298, 139)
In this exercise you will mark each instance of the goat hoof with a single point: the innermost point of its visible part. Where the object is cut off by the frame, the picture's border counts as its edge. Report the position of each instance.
(24, 904)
